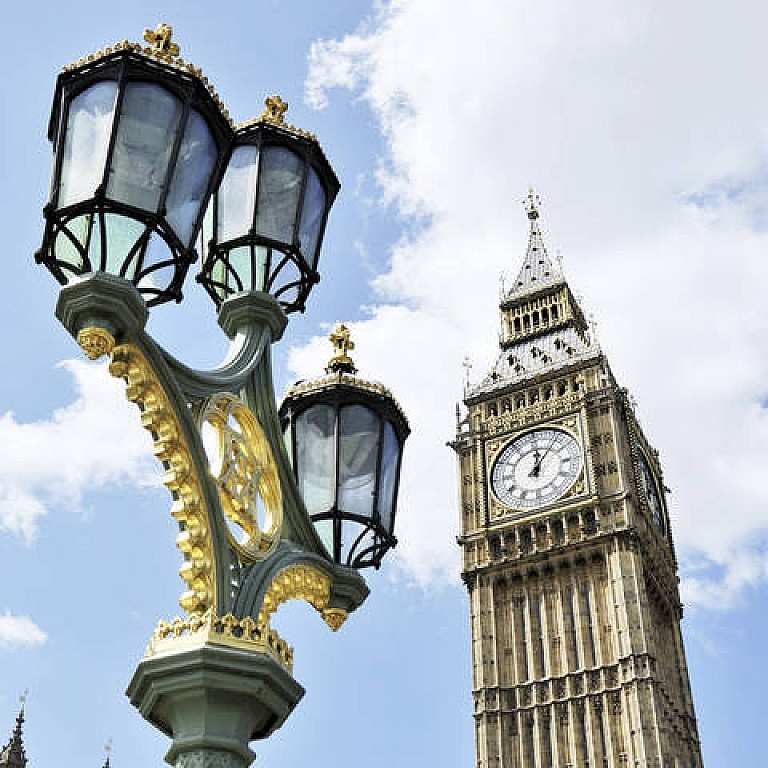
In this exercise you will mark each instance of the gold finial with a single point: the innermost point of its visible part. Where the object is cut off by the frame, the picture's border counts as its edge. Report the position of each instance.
(342, 342)
(532, 203)
(160, 40)
(334, 618)
(274, 110)
(95, 342)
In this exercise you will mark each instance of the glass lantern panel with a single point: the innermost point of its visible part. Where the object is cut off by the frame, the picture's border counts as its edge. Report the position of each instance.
(358, 447)
(240, 265)
(66, 251)
(122, 235)
(311, 218)
(315, 460)
(89, 125)
(261, 255)
(324, 530)
(206, 229)
(156, 273)
(219, 277)
(194, 166)
(279, 189)
(350, 533)
(236, 198)
(146, 133)
(94, 245)
(286, 283)
(390, 454)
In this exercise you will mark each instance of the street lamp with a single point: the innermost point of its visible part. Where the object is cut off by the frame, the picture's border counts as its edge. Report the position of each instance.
(345, 438)
(265, 224)
(140, 144)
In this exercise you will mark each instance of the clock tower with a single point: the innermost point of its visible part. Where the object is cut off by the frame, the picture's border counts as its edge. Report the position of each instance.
(577, 654)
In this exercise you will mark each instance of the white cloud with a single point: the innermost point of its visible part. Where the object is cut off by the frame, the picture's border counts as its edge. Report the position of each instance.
(95, 440)
(640, 127)
(19, 631)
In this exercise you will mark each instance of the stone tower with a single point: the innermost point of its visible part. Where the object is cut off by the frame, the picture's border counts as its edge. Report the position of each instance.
(577, 653)
(13, 754)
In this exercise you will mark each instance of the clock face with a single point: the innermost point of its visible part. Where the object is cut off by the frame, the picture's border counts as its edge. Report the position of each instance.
(536, 469)
(651, 492)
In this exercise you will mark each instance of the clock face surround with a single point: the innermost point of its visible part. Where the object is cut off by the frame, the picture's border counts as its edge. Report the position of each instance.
(536, 468)
(651, 492)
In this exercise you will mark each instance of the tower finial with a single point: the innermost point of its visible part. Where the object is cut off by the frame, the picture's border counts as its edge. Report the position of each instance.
(342, 342)
(13, 754)
(107, 751)
(532, 203)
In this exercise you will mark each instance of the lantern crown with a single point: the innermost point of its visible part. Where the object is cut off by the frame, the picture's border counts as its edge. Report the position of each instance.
(162, 49)
(274, 114)
(342, 342)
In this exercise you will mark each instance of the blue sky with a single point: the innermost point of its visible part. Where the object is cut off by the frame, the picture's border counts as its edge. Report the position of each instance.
(640, 128)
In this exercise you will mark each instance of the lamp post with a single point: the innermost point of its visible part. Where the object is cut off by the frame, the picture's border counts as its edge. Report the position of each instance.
(144, 154)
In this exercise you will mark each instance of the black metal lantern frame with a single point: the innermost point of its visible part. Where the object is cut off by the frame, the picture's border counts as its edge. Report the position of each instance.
(285, 268)
(373, 537)
(79, 237)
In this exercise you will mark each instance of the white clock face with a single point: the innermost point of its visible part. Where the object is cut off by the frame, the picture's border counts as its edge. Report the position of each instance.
(651, 492)
(536, 469)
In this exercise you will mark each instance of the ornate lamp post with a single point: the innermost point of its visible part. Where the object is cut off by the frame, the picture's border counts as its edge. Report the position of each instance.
(141, 143)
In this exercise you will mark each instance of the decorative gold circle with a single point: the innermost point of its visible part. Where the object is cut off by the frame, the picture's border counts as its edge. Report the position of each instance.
(242, 464)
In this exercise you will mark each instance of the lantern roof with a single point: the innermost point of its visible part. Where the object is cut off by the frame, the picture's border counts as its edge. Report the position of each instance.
(341, 374)
(161, 48)
(273, 117)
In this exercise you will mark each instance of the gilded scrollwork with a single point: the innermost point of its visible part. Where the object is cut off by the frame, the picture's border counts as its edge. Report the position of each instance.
(296, 582)
(95, 342)
(189, 510)
(245, 472)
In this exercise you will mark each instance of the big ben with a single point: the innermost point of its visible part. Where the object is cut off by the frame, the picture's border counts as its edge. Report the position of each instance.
(567, 552)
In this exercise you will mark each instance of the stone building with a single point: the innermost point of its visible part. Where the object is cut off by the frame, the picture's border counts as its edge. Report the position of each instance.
(568, 557)
(14, 755)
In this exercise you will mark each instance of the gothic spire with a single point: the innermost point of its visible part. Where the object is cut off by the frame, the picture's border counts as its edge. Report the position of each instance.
(108, 751)
(13, 754)
(538, 267)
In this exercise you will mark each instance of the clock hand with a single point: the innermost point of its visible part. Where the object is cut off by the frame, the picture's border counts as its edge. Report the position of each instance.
(536, 465)
(549, 448)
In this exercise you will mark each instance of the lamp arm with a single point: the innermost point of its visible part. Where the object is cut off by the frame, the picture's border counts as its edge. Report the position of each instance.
(253, 320)
(244, 356)
(294, 573)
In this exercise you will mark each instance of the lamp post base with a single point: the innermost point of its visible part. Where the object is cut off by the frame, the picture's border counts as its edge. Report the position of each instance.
(212, 700)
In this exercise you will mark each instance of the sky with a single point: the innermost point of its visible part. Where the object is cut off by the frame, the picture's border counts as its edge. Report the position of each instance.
(643, 128)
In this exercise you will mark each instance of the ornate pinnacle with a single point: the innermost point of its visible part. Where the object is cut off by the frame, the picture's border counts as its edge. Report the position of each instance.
(107, 751)
(274, 110)
(160, 40)
(13, 754)
(342, 342)
(532, 203)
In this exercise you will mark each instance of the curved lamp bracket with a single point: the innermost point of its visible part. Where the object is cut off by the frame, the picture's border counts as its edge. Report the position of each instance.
(252, 321)
(291, 573)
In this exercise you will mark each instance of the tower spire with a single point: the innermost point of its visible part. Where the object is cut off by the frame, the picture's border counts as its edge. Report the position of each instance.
(13, 754)
(538, 267)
